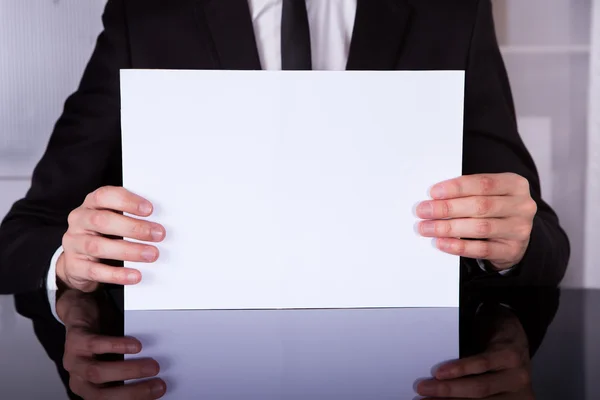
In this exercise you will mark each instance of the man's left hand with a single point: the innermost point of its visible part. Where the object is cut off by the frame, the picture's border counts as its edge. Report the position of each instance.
(495, 207)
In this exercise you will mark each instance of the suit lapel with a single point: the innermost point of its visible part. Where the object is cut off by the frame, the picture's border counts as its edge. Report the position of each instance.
(379, 30)
(230, 25)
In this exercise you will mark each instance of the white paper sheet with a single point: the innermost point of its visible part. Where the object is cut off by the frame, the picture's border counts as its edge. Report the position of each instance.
(295, 354)
(291, 189)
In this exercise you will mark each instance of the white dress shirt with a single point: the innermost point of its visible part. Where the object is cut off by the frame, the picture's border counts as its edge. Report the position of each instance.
(331, 25)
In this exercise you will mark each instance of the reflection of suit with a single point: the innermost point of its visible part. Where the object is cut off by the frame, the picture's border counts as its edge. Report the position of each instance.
(534, 307)
(48, 330)
(85, 149)
(51, 333)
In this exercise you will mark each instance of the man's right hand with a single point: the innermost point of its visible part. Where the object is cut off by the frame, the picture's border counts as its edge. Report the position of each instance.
(86, 243)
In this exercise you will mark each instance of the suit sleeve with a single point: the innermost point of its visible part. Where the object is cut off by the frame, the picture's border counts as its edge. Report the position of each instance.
(83, 152)
(492, 144)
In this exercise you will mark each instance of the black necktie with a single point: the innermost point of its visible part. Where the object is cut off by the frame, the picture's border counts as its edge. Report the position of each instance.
(295, 36)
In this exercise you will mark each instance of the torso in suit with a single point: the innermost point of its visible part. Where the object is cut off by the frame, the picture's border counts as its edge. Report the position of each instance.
(84, 151)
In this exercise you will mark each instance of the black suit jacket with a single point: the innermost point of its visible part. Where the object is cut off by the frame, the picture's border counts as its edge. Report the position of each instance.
(84, 151)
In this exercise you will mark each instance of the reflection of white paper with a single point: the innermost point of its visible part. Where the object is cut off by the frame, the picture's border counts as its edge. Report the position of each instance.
(537, 135)
(291, 189)
(295, 354)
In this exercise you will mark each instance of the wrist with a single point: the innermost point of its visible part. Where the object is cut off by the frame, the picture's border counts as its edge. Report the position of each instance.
(60, 272)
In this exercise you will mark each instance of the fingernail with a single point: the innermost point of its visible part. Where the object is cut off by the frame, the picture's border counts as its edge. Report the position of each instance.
(437, 192)
(158, 388)
(132, 277)
(157, 234)
(425, 210)
(150, 369)
(132, 348)
(428, 228)
(149, 255)
(145, 208)
(442, 244)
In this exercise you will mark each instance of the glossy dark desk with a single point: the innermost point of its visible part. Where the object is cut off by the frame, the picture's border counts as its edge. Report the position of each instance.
(562, 329)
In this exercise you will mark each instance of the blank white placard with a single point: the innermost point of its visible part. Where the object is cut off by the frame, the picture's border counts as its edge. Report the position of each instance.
(291, 189)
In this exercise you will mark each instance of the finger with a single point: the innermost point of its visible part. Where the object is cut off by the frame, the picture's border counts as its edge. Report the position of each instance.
(474, 206)
(81, 342)
(480, 185)
(101, 372)
(494, 360)
(524, 395)
(110, 249)
(477, 387)
(118, 199)
(110, 223)
(478, 249)
(476, 228)
(84, 271)
(149, 389)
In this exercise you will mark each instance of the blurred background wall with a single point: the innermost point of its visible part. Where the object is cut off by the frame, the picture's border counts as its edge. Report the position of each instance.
(547, 50)
(592, 230)
(45, 45)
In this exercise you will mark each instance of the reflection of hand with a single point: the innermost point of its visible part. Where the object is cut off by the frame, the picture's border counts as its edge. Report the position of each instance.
(495, 207)
(501, 372)
(89, 376)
